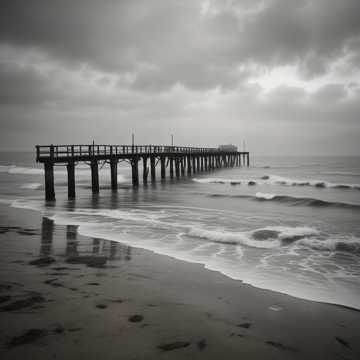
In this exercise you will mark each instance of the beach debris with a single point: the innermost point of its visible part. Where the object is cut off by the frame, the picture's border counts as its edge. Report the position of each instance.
(244, 325)
(93, 283)
(251, 183)
(43, 261)
(24, 303)
(201, 344)
(342, 342)
(275, 308)
(281, 346)
(28, 337)
(136, 318)
(173, 346)
(101, 306)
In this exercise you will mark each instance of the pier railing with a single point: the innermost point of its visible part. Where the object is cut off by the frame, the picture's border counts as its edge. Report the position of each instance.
(56, 152)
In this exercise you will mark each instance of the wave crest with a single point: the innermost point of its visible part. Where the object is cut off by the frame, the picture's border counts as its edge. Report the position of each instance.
(277, 180)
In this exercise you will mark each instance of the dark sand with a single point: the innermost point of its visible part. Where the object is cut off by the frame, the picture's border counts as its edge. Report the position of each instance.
(63, 296)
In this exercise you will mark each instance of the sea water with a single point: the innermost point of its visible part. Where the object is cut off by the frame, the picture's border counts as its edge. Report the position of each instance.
(289, 224)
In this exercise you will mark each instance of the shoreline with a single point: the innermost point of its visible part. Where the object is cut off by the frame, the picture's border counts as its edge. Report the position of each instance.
(152, 305)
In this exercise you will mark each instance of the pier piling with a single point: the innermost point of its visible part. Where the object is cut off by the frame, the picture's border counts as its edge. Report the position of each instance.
(71, 179)
(113, 174)
(163, 167)
(153, 168)
(135, 171)
(94, 176)
(49, 181)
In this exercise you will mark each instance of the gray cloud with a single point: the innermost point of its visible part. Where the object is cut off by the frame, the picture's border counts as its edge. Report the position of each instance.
(178, 64)
(177, 43)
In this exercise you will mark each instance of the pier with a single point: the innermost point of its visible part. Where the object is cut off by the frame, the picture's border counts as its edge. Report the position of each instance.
(179, 160)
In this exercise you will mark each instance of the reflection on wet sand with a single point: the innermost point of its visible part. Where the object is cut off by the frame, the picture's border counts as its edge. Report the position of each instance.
(47, 231)
(71, 241)
(93, 252)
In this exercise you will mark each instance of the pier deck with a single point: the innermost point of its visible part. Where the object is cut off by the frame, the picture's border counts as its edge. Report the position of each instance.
(182, 159)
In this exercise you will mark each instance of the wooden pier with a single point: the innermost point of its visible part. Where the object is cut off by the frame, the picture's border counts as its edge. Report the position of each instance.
(180, 160)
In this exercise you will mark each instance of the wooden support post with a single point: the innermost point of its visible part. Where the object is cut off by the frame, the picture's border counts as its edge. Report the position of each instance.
(171, 164)
(145, 170)
(71, 179)
(135, 171)
(177, 167)
(153, 168)
(49, 181)
(194, 164)
(198, 163)
(94, 176)
(206, 163)
(113, 174)
(247, 160)
(182, 164)
(202, 163)
(163, 167)
(188, 163)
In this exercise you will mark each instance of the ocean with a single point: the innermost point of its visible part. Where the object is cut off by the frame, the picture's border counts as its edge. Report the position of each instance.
(288, 224)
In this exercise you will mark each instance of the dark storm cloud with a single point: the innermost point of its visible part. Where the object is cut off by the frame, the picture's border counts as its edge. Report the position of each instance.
(179, 64)
(23, 86)
(178, 45)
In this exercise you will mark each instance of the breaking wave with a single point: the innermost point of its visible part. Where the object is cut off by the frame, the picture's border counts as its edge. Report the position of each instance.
(291, 200)
(277, 180)
(266, 238)
(340, 244)
(16, 170)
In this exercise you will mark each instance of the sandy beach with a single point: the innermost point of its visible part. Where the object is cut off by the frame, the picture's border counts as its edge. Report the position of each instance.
(68, 296)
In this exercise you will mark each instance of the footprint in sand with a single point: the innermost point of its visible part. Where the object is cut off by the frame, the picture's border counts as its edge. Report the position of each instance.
(28, 337)
(136, 318)
(244, 325)
(173, 346)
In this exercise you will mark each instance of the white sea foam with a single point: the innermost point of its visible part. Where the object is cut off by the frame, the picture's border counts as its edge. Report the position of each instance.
(288, 232)
(265, 196)
(349, 244)
(16, 170)
(232, 238)
(31, 186)
(277, 180)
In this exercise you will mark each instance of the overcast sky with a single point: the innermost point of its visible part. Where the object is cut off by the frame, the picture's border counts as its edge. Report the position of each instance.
(284, 75)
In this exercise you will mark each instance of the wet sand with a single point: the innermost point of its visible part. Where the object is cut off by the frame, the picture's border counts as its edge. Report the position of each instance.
(64, 296)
